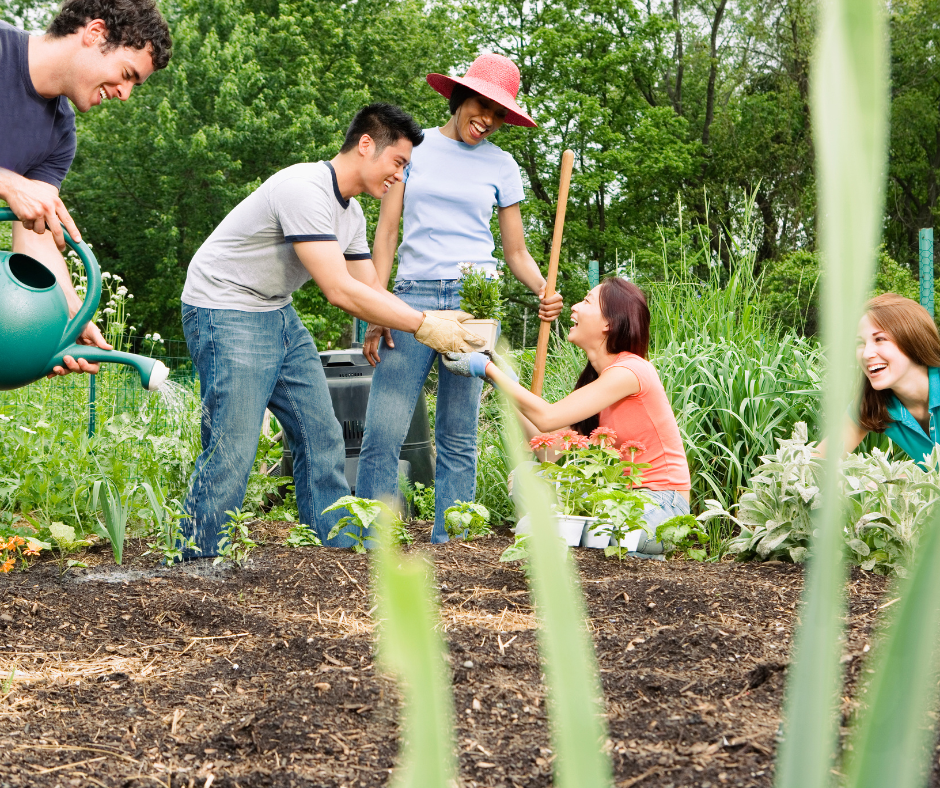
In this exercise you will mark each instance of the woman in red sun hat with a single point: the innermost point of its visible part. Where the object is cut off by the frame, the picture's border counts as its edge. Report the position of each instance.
(455, 180)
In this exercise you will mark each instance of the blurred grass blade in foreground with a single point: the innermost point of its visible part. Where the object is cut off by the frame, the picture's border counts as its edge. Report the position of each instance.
(411, 647)
(849, 105)
(576, 710)
(893, 740)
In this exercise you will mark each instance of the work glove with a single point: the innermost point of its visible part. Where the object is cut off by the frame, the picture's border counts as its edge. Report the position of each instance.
(441, 331)
(473, 365)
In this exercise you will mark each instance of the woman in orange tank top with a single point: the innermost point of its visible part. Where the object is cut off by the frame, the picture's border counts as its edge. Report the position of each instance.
(618, 389)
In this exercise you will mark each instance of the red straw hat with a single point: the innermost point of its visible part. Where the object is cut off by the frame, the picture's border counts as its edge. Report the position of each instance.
(492, 76)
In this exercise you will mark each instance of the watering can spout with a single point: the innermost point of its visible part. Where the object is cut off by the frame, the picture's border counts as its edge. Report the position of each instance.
(152, 372)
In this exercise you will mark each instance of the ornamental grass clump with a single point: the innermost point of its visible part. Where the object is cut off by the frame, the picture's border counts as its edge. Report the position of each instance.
(481, 292)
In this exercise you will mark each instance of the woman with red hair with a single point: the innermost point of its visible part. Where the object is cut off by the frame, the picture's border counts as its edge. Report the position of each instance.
(898, 350)
(619, 391)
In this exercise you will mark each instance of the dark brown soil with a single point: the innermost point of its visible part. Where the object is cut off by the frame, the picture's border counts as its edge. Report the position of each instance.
(264, 676)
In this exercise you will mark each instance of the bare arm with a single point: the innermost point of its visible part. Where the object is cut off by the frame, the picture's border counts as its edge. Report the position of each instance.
(37, 205)
(521, 263)
(383, 255)
(613, 385)
(852, 435)
(42, 247)
(325, 263)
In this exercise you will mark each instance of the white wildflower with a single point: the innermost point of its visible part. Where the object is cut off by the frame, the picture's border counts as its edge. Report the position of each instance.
(156, 337)
(121, 291)
(5, 418)
(27, 429)
(105, 275)
(107, 311)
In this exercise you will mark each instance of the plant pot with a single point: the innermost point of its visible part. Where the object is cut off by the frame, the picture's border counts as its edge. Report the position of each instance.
(487, 330)
(569, 527)
(631, 539)
(595, 539)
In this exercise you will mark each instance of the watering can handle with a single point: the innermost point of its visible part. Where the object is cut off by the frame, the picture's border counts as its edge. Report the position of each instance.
(92, 292)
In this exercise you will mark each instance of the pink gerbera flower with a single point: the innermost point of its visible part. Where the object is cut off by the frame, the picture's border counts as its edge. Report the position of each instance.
(543, 441)
(629, 449)
(604, 437)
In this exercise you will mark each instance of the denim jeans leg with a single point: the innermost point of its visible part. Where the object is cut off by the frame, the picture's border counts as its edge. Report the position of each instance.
(301, 402)
(237, 355)
(665, 505)
(396, 386)
(455, 435)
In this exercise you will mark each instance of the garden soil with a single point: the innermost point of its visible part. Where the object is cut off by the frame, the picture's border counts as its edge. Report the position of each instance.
(204, 676)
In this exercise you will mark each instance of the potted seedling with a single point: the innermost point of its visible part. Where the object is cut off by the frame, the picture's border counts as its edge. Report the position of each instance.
(481, 296)
(598, 503)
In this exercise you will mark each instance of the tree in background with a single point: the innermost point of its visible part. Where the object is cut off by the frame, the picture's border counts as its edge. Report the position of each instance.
(701, 103)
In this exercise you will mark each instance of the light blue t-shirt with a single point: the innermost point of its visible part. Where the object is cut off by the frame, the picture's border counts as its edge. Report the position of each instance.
(450, 191)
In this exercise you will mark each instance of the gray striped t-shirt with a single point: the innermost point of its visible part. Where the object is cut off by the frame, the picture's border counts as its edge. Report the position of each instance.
(249, 263)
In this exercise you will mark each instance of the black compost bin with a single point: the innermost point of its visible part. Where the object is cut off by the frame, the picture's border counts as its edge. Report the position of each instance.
(349, 377)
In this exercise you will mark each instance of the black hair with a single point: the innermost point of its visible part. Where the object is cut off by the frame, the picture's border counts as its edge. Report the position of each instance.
(459, 95)
(385, 124)
(624, 307)
(129, 23)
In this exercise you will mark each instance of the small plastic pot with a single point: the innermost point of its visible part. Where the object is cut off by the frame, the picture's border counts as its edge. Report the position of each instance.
(596, 539)
(487, 330)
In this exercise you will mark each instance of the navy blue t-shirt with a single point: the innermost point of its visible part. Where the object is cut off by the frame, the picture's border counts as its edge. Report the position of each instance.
(37, 135)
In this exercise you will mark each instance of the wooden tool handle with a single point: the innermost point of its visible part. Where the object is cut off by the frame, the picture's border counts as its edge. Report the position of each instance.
(545, 328)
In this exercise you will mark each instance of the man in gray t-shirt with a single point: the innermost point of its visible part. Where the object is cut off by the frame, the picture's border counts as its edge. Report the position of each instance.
(248, 344)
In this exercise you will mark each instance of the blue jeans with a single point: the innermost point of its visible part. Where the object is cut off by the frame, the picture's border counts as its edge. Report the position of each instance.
(665, 505)
(396, 386)
(249, 361)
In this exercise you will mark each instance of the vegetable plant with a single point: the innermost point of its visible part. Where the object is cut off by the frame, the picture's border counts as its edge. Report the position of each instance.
(363, 513)
(684, 535)
(467, 520)
(236, 544)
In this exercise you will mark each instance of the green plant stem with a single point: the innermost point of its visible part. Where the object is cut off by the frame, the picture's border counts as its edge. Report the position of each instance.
(568, 658)
(411, 646)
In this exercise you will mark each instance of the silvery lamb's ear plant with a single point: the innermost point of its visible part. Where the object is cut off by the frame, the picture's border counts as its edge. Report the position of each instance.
(890, 744)
(887, 503)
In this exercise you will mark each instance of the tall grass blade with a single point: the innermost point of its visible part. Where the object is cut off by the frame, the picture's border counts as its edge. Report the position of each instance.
(578, 732)
(849, 110)
(411, 647)
(892, 743)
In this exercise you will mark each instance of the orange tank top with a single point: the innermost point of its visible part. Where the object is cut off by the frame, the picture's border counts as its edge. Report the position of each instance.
(647, 419)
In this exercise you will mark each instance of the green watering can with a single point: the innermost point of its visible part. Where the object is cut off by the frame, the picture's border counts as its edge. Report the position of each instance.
(35, 330)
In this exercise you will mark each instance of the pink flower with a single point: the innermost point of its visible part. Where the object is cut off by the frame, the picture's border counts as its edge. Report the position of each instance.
(604, 437)
(543, 441)
(578, 442)
(629, 449)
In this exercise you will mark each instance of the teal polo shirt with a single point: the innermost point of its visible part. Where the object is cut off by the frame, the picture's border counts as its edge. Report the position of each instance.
(906, 432)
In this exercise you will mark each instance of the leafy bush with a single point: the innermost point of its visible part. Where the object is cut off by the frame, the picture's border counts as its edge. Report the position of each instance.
(790, 288)
(887, 503)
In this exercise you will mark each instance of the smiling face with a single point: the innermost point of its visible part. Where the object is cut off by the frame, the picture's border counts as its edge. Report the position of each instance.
(101, 75)
(384, 169)
(475, 120)
(589, 327)
(883, 362)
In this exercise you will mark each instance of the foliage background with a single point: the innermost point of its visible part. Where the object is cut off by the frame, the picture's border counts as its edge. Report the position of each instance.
(703, 99)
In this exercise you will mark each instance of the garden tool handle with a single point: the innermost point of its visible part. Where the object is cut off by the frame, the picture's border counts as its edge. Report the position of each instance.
(545, 328)
(88, 308)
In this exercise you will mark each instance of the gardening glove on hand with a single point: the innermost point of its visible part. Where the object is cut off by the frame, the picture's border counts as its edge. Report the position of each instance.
(441, 331)
(470, 365)
(504, 366)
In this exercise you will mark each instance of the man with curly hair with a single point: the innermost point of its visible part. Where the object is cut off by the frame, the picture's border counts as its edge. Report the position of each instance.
(93, 50)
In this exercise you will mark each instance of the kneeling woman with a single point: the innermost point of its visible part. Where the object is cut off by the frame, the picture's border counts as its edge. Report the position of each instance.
(618, 389)
(899, 352)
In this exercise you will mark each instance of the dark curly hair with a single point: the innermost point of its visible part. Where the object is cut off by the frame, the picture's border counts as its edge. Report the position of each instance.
(130, 23)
